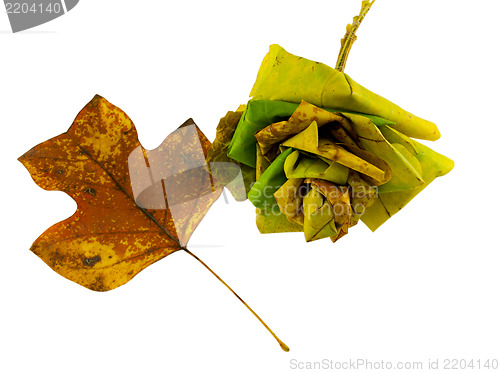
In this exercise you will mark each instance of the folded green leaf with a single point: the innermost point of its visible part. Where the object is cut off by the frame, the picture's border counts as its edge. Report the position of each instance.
(346, 149)
(432, 165)
(289, 200)
(286, 77)
(217, 154)
(299, 165)
(262, 192)
(273, 221)
(319, 219)
(300, 119)
(260, 114)
(310, 141)
(404, 174)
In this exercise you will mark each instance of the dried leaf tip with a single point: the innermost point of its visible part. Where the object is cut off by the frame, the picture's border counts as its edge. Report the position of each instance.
(350, 35)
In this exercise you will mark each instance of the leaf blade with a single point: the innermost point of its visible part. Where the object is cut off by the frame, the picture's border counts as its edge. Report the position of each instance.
(110, 238)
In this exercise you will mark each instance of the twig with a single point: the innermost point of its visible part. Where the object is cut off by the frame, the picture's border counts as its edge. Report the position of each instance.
(283, 346)
(350, 35)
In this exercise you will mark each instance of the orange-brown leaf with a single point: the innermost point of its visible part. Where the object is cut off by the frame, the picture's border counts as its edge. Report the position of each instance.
(113, 235)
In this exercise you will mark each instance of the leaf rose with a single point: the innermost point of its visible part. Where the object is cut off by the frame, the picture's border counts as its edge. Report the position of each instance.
(326, 151)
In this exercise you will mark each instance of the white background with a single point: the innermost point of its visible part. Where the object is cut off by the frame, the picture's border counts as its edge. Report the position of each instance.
(424, 286)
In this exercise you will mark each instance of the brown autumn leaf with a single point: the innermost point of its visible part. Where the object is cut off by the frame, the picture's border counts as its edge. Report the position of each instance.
(134, 206)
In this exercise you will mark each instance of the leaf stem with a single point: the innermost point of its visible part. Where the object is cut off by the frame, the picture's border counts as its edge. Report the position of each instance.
(283, 346)
(350, 35)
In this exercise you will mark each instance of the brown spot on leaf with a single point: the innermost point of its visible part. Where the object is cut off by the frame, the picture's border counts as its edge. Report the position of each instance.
(98, 284)
(90, 262)
(90, 191)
